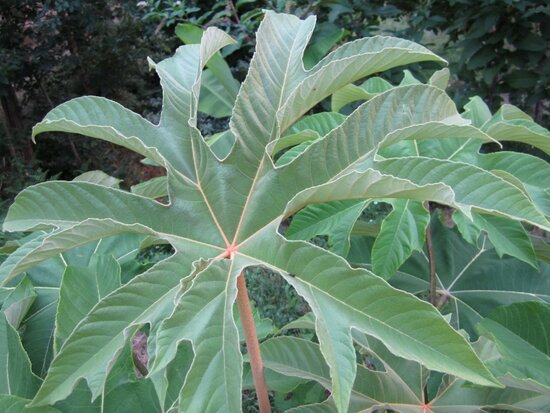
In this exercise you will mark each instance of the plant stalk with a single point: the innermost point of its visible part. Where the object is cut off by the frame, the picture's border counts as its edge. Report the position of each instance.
(433, 282)
(231, 7)
(252, 345)
(431, 259)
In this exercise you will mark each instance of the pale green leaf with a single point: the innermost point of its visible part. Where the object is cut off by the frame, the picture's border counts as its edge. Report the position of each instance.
(352, 62)
(533, 172)
(521, 332)
(508, 237)
(301, 358)
(104, 119)
(403, 231)
(307, 322)
(471, 280)
(12, 260)
(52, 244)
(456, 396)
(221, 143)
(322, 123)
(511, 124)
(400, 386)
(219, 88)
(58, 242)
(215, 100)
(371, 184)
(325, 36)
(153, 188)
(409, 79)
(81, 289)
(166, 143)
(332, 290)
(472, 186)
(386, 119)
(277, 62)
(16, 305)
(291, 154)
(477, 111)
(148, 298)
(454, 149)
(204, 316)
(51, 199)
(351, 93)
(169, 381)
(124, 392)
(296, 357)
(507, 112)
(64, 204)
(335, 219)
(14, 404)
(305, 136)
(440, 78)
(99, 178)
(275, 381)
(425, 140)
(469, 231)
(16, 377)
(39, 324)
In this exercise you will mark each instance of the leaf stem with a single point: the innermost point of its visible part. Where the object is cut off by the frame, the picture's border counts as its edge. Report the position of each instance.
(431, 259)
(231, 7)
(433, 285)
(252, 345)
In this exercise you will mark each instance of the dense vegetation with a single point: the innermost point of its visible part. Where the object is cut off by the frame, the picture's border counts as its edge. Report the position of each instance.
(395, 250)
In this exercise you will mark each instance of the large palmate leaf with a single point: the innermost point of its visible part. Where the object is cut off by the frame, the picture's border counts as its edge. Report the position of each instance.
(395, 384)
(521, 332)
(223, 215)
(45, 280)
(471, 279)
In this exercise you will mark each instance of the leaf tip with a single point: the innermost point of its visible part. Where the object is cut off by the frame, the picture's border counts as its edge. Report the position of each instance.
(151, 63)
